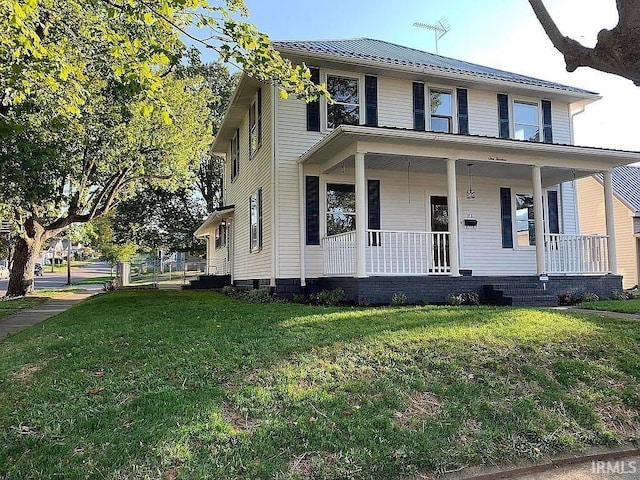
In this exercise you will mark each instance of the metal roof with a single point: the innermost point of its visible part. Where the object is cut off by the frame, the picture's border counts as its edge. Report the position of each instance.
(367, 49)
(626, 184)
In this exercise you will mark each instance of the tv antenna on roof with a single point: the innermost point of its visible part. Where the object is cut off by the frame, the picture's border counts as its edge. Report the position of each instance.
(440, 29)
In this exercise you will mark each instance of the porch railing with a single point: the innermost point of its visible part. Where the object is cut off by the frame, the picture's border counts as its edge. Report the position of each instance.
(339, 252)
(389, 253)
(576, 254)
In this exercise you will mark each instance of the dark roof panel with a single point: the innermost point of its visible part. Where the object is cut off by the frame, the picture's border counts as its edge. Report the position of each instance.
(392, 54)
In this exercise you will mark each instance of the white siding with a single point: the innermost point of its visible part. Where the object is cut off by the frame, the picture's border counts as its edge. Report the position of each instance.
(561, 122)
(292, 140)
(568, 209)
(395, 103)
(254, 173)
(483, 113)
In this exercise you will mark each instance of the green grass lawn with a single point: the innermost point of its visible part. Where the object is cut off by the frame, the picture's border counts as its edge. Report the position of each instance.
(93, 280)
(8, 307)
(185, 384)
(623, 306)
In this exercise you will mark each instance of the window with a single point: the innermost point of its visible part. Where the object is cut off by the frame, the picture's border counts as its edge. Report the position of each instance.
(221, 235)
(255, 221)
(526, 125)
(341, 208)
(441, 111)
(235, 155)
(346, 107)
(255, 124)
(525, 226)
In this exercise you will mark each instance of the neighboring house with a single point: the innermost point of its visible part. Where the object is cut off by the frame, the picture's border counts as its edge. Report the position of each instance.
(626, 211)
(426, 176)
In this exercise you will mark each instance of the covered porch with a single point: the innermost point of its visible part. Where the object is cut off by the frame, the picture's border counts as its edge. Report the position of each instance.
(450, 164)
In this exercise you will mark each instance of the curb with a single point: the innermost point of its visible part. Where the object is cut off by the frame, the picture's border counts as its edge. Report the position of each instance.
(550, 465)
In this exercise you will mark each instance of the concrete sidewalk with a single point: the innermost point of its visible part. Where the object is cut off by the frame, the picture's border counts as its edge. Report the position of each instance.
(32, 316)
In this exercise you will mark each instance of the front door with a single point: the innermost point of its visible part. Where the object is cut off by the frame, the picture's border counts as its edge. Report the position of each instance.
(440, 223)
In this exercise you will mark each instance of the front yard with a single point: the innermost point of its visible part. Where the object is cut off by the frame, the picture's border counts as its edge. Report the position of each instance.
(622, 306)
(170, 384)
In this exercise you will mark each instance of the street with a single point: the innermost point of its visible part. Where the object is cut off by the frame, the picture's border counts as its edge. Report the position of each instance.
(59, 279)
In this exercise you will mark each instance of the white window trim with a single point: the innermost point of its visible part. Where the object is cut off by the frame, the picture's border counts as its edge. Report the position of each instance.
(234, 141)
(257, 248)
(454, 106)
(324, 205)
(252, 153)
(324, 125)
(512, 114)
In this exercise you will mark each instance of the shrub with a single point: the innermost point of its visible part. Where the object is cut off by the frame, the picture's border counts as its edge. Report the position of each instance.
(398, 299)
(617, 295)
(297, 298)
(589, 297)
(229, 291)
(259, 296)
(111, 285)
(364, 302)
(328, 297)
(465, 298)
(567, 298)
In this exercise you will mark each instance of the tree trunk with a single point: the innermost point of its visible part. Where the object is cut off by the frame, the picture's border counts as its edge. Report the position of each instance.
(25, 255)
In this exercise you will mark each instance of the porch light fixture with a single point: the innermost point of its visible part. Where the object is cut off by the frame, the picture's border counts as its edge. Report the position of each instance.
(471, 193)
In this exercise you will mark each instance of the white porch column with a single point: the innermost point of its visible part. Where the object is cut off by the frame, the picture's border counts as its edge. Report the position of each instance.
(610, 222)
(361, 216)
(538, 218)
(452, 200)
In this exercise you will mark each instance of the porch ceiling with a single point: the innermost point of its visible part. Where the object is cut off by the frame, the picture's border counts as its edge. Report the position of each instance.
(391, 149)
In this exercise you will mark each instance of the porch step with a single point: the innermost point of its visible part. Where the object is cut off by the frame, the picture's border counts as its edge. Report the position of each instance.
(519, 294)
(208, 282)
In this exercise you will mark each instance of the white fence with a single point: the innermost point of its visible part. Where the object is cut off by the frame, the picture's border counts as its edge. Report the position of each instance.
(389, 253)
(576, 254)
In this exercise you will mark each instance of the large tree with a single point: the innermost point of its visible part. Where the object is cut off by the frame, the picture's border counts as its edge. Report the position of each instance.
(617, 50)
(91, 105)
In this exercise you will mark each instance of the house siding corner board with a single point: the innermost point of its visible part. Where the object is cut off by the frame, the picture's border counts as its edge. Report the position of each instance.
(254, 174)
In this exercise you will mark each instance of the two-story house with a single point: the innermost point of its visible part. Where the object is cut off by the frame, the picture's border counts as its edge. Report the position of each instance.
(425, 175)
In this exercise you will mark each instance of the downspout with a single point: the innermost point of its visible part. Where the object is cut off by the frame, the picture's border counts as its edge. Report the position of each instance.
(303, 270)
(574, 185)
(274, 189)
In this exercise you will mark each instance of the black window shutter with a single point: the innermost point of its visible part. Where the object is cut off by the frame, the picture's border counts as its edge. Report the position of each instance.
(312, 202)
(463, 111)
(373, 208)
(259, 219)
(371, 99)
(418, 106)
(554, 218)
(259, 120)
(503, 115)
(505, 210)
(313, 108)
(547, 129)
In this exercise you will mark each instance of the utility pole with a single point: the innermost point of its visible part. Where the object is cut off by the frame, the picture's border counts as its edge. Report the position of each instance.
(440, 29)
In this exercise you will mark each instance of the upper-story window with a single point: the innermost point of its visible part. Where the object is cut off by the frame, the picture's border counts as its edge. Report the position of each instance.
(526, 121)
(346, 107)
(441, 108)
(255, 124)
(235, 155)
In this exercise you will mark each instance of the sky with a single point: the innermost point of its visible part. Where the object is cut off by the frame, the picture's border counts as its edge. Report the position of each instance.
(503, 34)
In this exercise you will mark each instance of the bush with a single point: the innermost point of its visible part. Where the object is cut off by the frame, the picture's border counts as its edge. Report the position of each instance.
(364, 302)
(589, 297)
(398, 299)
(465, 298)
(259, 296)
(624, 295)
(111, 285)
(567, 298)
(328, 297)
(297, 298)
(230, 291)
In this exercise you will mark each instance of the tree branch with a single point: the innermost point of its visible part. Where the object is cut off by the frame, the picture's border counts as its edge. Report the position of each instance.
(617, 50)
